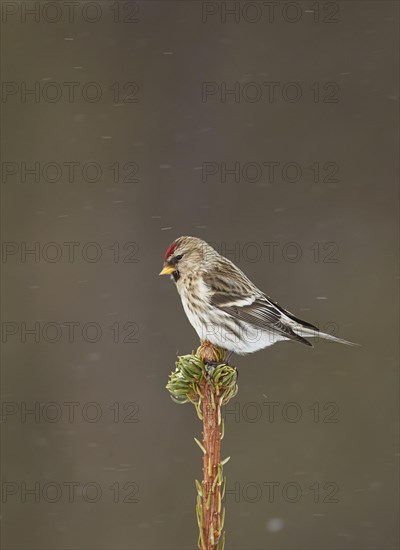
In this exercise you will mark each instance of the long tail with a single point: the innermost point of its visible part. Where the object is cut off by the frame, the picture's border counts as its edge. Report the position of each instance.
(310, 333)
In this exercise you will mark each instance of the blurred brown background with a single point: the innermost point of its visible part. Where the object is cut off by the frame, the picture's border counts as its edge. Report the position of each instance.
(110, 422)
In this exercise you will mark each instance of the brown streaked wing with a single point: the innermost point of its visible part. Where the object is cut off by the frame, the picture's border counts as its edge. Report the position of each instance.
(259, 312)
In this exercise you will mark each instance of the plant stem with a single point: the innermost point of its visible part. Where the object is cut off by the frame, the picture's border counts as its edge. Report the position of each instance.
(211, 509)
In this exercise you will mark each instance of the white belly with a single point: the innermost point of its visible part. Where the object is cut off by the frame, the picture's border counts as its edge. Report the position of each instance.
(239, 337)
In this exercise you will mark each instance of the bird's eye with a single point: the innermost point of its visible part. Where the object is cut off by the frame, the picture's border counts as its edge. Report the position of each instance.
(179, 257)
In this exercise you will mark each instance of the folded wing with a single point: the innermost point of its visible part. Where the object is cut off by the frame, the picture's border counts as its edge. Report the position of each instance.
(260, 312)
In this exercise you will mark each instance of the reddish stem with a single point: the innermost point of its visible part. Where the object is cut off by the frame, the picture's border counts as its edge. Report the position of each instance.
(211, 462)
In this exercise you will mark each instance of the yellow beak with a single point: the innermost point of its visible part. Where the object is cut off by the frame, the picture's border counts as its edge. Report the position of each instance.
(167, 270)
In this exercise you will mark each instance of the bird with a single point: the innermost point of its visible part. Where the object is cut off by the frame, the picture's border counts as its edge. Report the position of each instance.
(224, 307)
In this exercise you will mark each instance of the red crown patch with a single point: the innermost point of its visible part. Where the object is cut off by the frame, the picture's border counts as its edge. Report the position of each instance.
(171, 250)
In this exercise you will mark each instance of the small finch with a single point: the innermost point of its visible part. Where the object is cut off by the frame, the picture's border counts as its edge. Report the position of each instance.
(225, 307)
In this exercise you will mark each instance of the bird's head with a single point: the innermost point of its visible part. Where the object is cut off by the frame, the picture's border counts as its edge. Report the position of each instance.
(185, 256)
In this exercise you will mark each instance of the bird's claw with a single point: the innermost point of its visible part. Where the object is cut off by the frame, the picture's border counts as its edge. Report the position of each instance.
(210, 365)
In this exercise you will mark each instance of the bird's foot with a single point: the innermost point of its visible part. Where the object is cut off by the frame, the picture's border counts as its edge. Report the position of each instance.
(210, 365)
